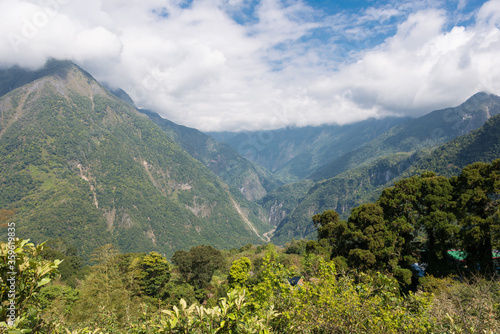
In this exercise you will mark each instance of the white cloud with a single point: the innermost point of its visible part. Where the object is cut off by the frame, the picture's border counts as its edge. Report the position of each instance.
(286, 64)
(96, 43)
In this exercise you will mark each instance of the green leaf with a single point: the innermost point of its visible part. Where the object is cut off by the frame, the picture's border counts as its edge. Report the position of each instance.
(43, 281)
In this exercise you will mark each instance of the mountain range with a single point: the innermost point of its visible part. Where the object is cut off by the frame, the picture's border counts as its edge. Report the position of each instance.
(79, 161)
(294, 153)
(405, 150)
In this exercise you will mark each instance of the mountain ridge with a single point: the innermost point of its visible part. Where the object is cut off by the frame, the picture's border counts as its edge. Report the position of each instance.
(76, 162)
(293, 153)
(427, 131)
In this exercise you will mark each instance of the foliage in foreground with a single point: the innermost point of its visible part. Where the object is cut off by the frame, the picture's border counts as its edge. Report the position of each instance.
(355, 279)
(233, 314)
(22, 274)
(328, 301)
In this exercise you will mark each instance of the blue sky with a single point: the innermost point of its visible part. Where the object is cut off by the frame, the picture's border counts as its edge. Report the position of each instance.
(263, 64)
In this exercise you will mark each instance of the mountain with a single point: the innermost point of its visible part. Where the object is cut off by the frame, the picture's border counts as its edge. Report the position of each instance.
(427, 131)
(252, 180)
(293, 153)
(365, 183)
(481, 145)
(15, 77)
(82, 163)
(77, 162)
(341, 193)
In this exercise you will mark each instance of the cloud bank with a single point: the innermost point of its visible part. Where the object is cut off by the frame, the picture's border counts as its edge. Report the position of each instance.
(248, 65)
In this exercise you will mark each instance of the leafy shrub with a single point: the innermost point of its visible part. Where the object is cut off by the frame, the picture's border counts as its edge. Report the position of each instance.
(22, 274)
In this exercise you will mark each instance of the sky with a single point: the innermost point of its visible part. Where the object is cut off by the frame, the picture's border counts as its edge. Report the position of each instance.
(236, 65)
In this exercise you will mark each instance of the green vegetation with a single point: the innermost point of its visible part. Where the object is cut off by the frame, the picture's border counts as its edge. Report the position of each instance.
(121, 200)
(293, 153)
(420, 219)
(481, 145)
(80, 165)
(239, 272)
(328, 300)
(365, 183)
(367, 241)
(23, 273)
(198, 265)
(153, 273)
(249, 178)
(341, 193)
(358, 277)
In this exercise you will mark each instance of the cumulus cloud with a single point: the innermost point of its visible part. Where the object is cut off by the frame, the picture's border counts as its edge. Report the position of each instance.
(262, 64)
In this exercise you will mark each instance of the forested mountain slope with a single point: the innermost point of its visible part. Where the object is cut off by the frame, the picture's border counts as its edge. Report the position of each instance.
(294, 153)
(481, 145)
(427, 131)
(252, 180)
(78, 163)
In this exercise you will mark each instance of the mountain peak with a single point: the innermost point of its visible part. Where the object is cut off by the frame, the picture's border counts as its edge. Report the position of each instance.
(481, 101)
(15, 77)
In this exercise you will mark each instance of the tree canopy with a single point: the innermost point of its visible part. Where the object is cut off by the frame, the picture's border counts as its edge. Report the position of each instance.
(420, 219)
(198, 265)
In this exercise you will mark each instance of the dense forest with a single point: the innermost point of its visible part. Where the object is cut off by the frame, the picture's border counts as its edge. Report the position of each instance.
(421, 258)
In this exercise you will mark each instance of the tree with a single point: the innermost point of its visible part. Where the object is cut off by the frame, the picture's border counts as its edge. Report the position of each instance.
(423, 204)
(154, 273)
(367, 240)
(104, 297)
(332, 229)
(183, 260)
(435, 206)
(239, 272)
(477, 192)
(371, 244)
(198, 265)
(426, 203)
(376, 243)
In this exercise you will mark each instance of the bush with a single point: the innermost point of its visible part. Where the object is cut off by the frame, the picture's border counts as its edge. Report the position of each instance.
(469, 306)
(21, 266)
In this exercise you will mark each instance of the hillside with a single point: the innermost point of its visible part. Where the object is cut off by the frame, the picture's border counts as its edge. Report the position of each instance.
(365, 183)
(78, 163)
(481, 145)
(427, 131)
(341, 193)
(294, 153)
(253, 181)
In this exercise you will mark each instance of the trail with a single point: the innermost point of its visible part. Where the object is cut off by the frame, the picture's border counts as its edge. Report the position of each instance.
(245, 219)
(269, 234)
